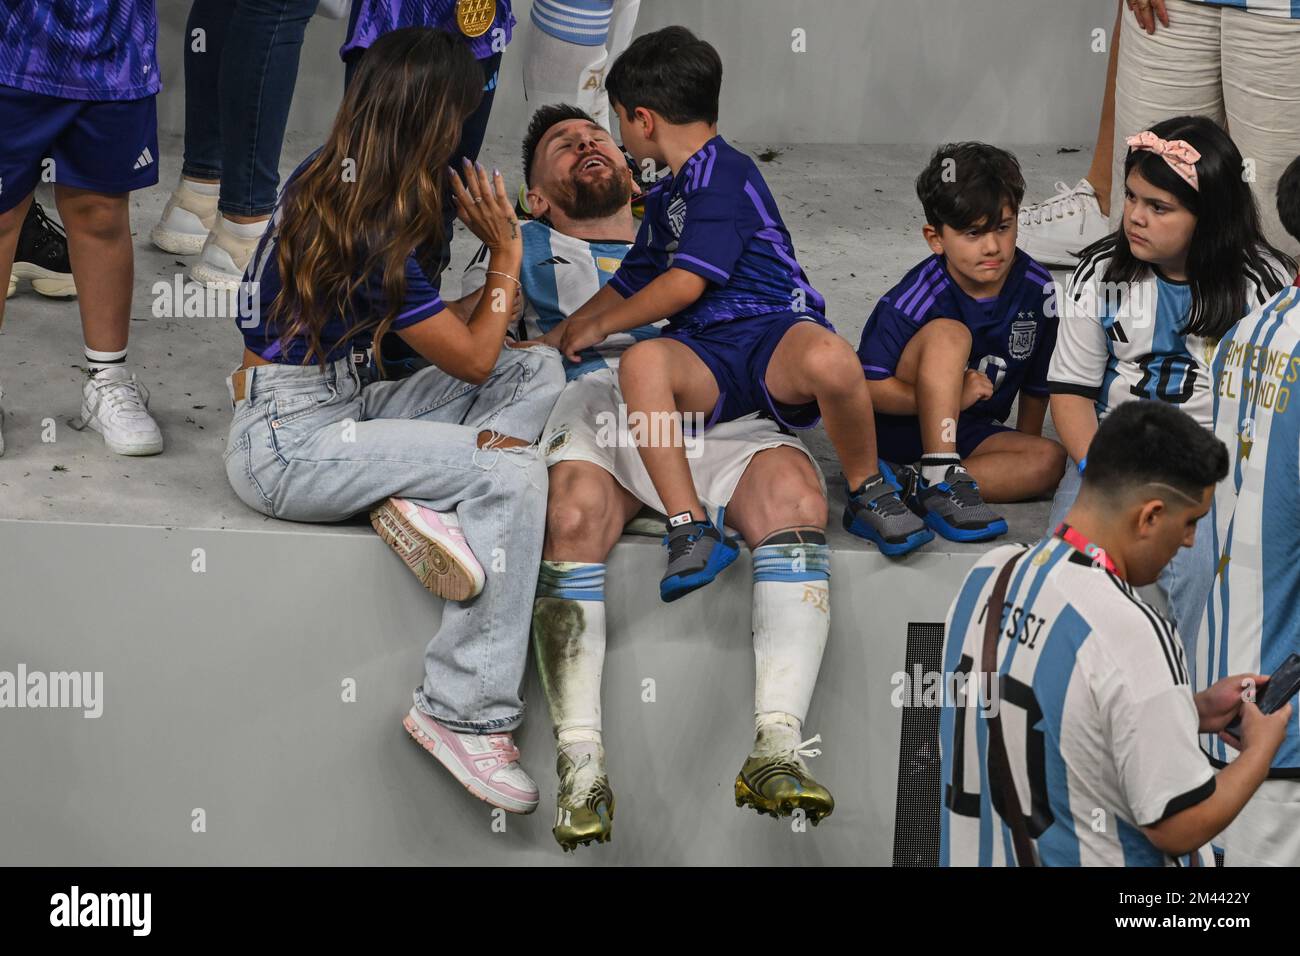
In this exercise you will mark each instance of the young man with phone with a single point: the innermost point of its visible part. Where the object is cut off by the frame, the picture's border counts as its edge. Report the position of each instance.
(1252, 620)
(1081, 746)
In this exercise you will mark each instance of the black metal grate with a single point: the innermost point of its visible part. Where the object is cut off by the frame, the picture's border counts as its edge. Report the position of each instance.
(916, 816)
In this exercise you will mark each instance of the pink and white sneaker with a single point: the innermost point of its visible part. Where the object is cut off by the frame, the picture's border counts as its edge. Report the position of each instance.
(487, 764)
(433, 546)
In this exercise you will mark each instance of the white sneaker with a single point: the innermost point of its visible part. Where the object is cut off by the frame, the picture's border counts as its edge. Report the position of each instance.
(225, 255)
(1055, 230)
(114, 404)
(186, 221)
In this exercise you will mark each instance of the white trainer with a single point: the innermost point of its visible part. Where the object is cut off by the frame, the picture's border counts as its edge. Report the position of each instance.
(1055, 230)
(186, 221)
(224, 256)
(114, 404)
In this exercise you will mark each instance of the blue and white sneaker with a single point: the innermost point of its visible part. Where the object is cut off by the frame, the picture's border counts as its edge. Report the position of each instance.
(876, 512)
(698, 552)
(953, 507)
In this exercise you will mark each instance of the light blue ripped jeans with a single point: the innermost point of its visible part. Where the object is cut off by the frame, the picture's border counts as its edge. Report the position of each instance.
(310, 444)
(1186, 580)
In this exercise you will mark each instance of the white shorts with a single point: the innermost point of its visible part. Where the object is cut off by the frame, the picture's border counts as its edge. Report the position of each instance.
(585, 425)
(1267, 830)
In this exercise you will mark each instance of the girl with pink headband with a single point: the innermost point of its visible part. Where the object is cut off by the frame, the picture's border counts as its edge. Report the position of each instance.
(1147, 305)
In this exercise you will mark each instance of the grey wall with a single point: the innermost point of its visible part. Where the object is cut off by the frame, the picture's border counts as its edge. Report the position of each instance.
(875, 71)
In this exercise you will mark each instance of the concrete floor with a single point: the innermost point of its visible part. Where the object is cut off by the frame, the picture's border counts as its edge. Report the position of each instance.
(851, 209)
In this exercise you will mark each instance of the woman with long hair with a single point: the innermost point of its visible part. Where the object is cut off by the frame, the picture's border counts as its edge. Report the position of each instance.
(1148, 303)
(444, 460)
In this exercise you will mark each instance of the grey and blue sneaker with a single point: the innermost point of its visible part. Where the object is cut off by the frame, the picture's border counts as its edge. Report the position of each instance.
(953, 507)
(876, 512)
(697, 553)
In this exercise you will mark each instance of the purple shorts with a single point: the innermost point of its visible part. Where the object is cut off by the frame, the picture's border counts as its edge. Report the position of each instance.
(737, 353)
(108, 146)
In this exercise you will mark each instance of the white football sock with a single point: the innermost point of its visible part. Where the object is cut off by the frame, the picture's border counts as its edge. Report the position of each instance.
(791, 623)
(569, 643)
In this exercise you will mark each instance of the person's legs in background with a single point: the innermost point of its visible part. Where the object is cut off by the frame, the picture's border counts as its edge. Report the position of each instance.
(1055, 230)
(1172, 72)
(235, 144)
(1261, 93)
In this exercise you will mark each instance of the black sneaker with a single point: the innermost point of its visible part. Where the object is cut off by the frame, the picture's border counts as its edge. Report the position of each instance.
(42, 256)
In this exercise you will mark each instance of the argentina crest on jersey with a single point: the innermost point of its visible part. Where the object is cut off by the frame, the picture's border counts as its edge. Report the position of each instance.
(1020, 344)
(677, 216)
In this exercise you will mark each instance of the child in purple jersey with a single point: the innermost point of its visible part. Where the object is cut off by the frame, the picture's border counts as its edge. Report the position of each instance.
(77, 86)
(947, 351)
(747, 333)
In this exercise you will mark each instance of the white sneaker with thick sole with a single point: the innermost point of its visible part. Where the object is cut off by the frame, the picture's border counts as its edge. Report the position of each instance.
(114, 404)
(224, 256)
(1055, 230)
(186, 221)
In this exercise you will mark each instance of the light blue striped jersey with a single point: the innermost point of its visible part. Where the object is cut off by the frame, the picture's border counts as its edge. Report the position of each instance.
(1252, 620)
(1120, 342)
(559, 274)
(1098, 718)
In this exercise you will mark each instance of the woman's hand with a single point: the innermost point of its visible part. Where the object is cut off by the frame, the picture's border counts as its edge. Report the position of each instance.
(482, 205)
(1147, 11)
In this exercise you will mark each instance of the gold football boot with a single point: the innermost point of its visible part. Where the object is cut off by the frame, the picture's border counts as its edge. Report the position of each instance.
(584, 807)
(778, 783)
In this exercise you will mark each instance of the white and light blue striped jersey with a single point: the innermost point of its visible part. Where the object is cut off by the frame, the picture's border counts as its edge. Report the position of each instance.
(1117, 343)
(1252, 620)
(1097, 714)
(1272, 8)
(559, 274)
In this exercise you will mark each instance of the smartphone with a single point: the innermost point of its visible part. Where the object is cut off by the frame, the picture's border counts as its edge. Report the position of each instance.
(1281, 687)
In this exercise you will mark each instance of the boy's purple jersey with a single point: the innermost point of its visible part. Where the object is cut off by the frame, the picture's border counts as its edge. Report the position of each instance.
(80, 49)
(371, 19)
(1012, 334)
(716, 218)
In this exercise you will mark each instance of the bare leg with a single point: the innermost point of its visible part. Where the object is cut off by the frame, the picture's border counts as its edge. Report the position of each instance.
(778, 491)
(659, 377)
(812, 363)
(1013, 466)
(103, 262)
(942, 348)
(586, 510)
(11, 226)
(1099, 173)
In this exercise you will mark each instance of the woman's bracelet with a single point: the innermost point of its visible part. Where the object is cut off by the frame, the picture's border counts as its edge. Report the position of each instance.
(506, 275)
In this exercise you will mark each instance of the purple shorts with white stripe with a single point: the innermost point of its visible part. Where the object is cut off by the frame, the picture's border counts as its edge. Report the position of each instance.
(108, 146)
(738, 353)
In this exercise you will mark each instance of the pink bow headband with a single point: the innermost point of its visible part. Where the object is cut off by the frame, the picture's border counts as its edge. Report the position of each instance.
(1178, 153)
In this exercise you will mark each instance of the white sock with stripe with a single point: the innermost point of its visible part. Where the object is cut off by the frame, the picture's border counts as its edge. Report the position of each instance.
(791, 623)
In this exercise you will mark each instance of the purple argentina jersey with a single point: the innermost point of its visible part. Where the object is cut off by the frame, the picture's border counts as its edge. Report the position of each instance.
(371, 19)
(369, 302)
(80, 49)
(1012, 334)
(716, 218)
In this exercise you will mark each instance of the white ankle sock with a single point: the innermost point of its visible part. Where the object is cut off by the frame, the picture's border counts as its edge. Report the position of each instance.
(935, 467)
(98, 361)
(203, 189)
(245, 230)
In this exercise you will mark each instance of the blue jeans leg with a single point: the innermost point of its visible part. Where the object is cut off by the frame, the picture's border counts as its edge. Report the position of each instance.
(238, 96)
